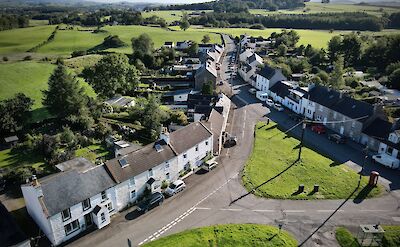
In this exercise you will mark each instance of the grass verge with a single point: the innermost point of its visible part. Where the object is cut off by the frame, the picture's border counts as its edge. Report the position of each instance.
(228, 235)
(272, 171)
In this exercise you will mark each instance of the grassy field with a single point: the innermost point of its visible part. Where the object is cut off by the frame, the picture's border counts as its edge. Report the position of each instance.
(273, 160)
(313, 8)
(77, 64)
(168, 15)
(391, 237)
(22, 39)
(93, 152)
(228, 235)
(14, 159)
(34, 23)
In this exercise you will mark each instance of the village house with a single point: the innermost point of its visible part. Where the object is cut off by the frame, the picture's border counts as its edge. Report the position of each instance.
(62, 211)
(183, 45)
(207, 73)
(289, 94)
(169, 44)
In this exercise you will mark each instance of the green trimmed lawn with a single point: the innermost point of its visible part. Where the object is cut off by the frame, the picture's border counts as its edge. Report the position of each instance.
(345, 238)
(13, 159)
(92, 152)
(228, 235)
(275, 151)
(22, 39)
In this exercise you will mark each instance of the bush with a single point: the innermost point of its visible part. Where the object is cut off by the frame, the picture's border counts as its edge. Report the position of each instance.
(257, 26)
(164, 184)
(27, 58)
(5, 59)
(78, 53)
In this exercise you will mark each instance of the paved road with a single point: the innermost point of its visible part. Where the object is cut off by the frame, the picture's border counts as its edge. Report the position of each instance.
(218, 197)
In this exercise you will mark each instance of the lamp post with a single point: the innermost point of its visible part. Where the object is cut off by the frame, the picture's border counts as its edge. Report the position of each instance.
(304, 125)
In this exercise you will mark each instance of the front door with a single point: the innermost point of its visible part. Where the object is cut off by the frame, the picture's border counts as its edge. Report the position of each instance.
(88, 220)
(341, 130)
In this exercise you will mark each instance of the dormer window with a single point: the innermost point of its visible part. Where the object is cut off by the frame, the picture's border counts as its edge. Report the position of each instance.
(151, 173)
(66, 214)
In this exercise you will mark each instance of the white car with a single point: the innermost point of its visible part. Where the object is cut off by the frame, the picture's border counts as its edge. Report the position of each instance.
(252, 90)
(269, 102)
(209, 165)
(175, 187)
(278, 107)
(386, 160)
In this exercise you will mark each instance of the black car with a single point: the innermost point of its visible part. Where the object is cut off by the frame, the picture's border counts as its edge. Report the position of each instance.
(155, 199)
(337, 138)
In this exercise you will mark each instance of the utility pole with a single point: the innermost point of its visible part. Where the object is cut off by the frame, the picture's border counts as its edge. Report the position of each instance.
(304, 125)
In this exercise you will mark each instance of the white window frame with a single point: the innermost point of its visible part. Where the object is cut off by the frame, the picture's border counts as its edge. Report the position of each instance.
(133, 192)
(72, 230)
(103, 217)
(63, 215)
(104, 196)
(151, 173)
(110, 207)
(83, 204)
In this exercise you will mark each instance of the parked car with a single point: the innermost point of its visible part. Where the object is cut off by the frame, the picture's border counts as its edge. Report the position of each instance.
(269, 102)
(318, 128)
(252, 90)
(155, 199)
(221, 83)
(386, 160)
(175, 187)
(278, 107)
(209, 165)
(337, 138)
(296, 117)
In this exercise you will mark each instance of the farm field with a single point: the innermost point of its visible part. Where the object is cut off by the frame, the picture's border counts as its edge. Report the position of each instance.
(317, 38)
(168, 15)
(34, 23)
(228, 235)
(22, 39)
(313, 8)
(336, 181)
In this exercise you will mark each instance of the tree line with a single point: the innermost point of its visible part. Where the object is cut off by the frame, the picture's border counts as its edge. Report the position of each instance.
(338, 21)
(13, 21)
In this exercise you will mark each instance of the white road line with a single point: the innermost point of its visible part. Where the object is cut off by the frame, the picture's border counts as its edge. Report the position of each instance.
(203, 208)
(329, 210)
(294, 211)
(263, 210)
(185, 214)
(244, 123)
(231, 209)
(374, 210)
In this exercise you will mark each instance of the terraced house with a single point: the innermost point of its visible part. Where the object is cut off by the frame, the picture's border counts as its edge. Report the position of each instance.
(82, 195)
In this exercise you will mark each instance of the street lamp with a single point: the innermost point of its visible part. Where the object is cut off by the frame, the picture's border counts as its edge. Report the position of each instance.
(302, 138)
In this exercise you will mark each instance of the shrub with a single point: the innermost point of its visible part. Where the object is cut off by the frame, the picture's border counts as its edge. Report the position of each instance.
(27, 58)
(5, 59)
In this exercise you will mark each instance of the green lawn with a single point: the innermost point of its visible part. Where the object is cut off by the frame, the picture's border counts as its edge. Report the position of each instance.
(228, 235)
(168, 15)
(317, 38)
(391, 237)
(93, 152)
(12, 158)
(22, 39)
(34, 23)
(313, 8)
(273, 154)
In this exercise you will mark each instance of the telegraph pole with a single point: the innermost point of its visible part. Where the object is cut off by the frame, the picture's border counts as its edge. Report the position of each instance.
(304, 125)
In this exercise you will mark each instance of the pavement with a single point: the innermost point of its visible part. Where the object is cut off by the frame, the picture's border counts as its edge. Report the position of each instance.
(218, 197)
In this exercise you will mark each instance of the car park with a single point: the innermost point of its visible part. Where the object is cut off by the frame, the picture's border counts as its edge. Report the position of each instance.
(269, 102)
(337, 138)
(386, 160)
(154, 200)
(318, 128)
(252, 90)
(278, 107)
(175, 187)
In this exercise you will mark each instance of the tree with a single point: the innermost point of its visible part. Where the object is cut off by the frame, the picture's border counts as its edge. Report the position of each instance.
(336, 80)
(334, 47)
(394, 79)
(65, 98)
(351, 49)
(112, 75)
(142, 45)
(178, 117)
(152, 117)
(282, 50)
(207, 88)
(15, 113)
(184, 23)
(206, 39)
(193, 49)
(323, 76)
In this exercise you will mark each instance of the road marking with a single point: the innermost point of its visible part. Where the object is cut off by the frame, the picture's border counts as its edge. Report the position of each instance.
(240, 98)
(231, 209)
(244, 123)
(329, 210)
(294, 211)
(396, 218)
(203, 208)
(165, 228)
(263, 210)
(374, 210)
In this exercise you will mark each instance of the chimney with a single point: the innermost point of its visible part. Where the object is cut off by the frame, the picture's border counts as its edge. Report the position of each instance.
(165, 135)
(340, 95)
(310, 86)
(35, 181)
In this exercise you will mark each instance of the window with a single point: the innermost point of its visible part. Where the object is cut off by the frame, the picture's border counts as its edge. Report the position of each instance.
(166, 166)
(66, 214)
(132, 182)
(88, 219)
(151, 172)
(104, 196)
(86, 204)
(109, 207)
(197, 148)
(103, 217)
(133, 194)
(184, 156)
(389, 150)
(167, 175)
(206, 143)
(71, 227)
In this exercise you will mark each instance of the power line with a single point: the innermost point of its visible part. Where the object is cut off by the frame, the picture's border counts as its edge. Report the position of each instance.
(338, 121)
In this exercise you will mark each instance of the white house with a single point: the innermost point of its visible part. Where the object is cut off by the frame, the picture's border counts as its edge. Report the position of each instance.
(391, 146)
(169, 44)
(267, 77)
(203, 48)
(255, 60)
(182, 45)
(245, 54)
(83, 196)
(65, 204)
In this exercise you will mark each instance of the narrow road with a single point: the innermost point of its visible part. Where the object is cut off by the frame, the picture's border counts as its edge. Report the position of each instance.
(218, 197)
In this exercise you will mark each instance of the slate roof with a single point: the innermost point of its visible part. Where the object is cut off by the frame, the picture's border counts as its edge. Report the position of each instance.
(267, 72)
(148, 157)
(341, 103)
(215, 123)
(178, 92)
(379, 129)
(10, 233)
(65, 189)
(280, 89)
(254, 57)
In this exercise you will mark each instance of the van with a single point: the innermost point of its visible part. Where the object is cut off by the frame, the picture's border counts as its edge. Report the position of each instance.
(386, 160)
